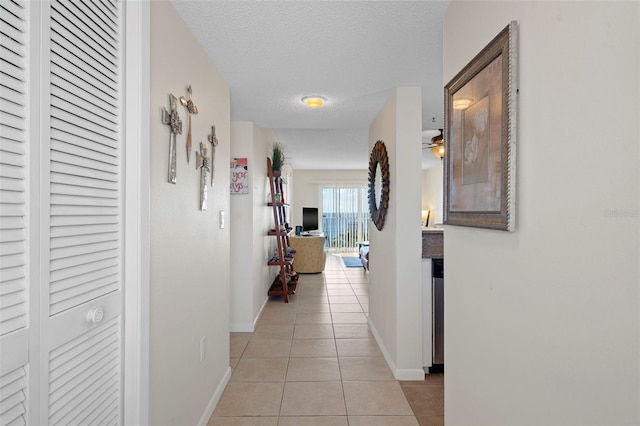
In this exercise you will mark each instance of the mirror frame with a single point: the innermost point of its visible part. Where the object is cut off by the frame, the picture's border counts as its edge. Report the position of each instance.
(378, 208)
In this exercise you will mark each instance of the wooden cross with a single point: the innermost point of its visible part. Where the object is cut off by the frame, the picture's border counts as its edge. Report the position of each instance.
(214, 142)
(175, 124)
(202, 163)
(192, 109)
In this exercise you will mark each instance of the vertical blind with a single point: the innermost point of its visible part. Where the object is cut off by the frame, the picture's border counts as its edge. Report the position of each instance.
(345, 216)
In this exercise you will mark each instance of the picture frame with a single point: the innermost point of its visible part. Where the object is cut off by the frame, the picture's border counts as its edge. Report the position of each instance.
(480, 138)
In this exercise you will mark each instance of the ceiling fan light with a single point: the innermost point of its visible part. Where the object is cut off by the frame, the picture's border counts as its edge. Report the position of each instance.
(314, 101)
(462, 103)
(438, 151)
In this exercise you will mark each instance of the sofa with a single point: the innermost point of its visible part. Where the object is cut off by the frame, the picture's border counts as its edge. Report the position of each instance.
(364, 256)
(310, 256)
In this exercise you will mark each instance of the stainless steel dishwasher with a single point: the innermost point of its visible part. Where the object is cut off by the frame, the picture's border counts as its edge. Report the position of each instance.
(437, 301)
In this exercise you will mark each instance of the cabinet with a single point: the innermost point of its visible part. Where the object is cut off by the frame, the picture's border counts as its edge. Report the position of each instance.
(285, 281)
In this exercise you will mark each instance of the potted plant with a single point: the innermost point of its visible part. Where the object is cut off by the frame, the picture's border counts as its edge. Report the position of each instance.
(277, 158)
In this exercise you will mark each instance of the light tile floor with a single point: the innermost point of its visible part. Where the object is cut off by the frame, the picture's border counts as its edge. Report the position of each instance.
(314, 362)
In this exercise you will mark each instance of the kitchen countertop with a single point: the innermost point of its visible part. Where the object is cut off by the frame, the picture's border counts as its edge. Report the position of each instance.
(432, 243)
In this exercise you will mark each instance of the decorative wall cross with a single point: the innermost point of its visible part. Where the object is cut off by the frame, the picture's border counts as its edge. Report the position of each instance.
(192, 109)
(175, 124)
(214, 142)
(202, 163)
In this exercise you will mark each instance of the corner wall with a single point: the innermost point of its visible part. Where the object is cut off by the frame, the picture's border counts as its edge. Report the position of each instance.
(542, 325)
(189, 289)
(432, 192)
(252, 218)
(395, 277)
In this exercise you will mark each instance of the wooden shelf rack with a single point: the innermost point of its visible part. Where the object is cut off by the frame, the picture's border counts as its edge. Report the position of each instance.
(285, 282)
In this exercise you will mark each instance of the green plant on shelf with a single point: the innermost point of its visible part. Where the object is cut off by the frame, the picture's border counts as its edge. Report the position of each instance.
(277, 157)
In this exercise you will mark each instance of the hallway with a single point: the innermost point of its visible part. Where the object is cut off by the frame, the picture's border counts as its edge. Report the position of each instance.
(314, 361)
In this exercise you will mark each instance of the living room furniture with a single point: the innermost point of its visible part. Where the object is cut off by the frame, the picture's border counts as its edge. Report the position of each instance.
(310, 255)
(364, 254)
(284, 283)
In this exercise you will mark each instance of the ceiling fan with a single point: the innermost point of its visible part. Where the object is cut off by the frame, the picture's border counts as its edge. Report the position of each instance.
(435, 144)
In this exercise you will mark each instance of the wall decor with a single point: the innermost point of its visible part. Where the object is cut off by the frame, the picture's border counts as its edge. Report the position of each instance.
(191, 110)
(378, 184)
(239, 176)
(480, 138)
(175, 125)
(202, 163)
(214, 142)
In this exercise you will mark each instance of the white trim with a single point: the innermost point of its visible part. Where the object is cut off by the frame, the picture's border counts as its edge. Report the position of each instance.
(241, 328)
(248, 328)
(34, 216)
(399, 374)
(215, 398)
(137, 228)
(410, 374)
(40, 352)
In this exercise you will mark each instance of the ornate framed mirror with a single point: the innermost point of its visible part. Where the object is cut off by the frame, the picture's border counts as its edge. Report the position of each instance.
(378, 184)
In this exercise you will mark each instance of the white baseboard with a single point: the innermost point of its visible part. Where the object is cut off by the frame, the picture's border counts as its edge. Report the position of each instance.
(264, 304)
(241, 328)
(246, 327)
(398, 373)
(215, 398)
(409, 374)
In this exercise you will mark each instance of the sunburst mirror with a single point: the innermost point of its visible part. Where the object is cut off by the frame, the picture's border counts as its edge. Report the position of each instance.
(378, 184)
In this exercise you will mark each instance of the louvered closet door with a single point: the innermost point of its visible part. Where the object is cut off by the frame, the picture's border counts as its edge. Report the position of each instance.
(14, 256)
(83, 330)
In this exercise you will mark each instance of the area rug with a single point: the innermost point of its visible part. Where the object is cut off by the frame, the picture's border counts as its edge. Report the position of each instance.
(352, 262)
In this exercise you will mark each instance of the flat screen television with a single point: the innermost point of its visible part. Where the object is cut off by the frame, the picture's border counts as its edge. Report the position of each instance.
(309, 219)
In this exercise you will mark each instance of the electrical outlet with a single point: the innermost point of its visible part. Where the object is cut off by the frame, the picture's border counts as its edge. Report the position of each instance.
(203, 347)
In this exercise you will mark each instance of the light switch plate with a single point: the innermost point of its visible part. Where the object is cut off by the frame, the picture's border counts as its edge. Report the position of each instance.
(221, 219)
(203, 348)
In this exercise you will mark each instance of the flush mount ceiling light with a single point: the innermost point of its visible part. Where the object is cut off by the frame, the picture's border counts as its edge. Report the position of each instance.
(314, 101)
(462, 103)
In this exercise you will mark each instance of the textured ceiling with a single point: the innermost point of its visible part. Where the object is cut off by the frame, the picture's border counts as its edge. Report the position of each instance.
(354, 53)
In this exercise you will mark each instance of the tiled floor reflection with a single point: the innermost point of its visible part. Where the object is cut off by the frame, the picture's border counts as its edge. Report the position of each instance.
(314, 362)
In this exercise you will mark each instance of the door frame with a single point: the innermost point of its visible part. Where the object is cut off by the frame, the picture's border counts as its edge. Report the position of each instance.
(137, 243)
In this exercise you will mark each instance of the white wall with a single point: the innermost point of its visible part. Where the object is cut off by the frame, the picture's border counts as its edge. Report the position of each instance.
(432, 194)
(306, 184)
(263, 245)
(542, 324)
(252, 218)
(395, 278)
(189, 293)
(242, 230)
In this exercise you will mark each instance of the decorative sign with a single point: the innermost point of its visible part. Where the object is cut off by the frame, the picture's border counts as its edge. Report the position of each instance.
(239, 176)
